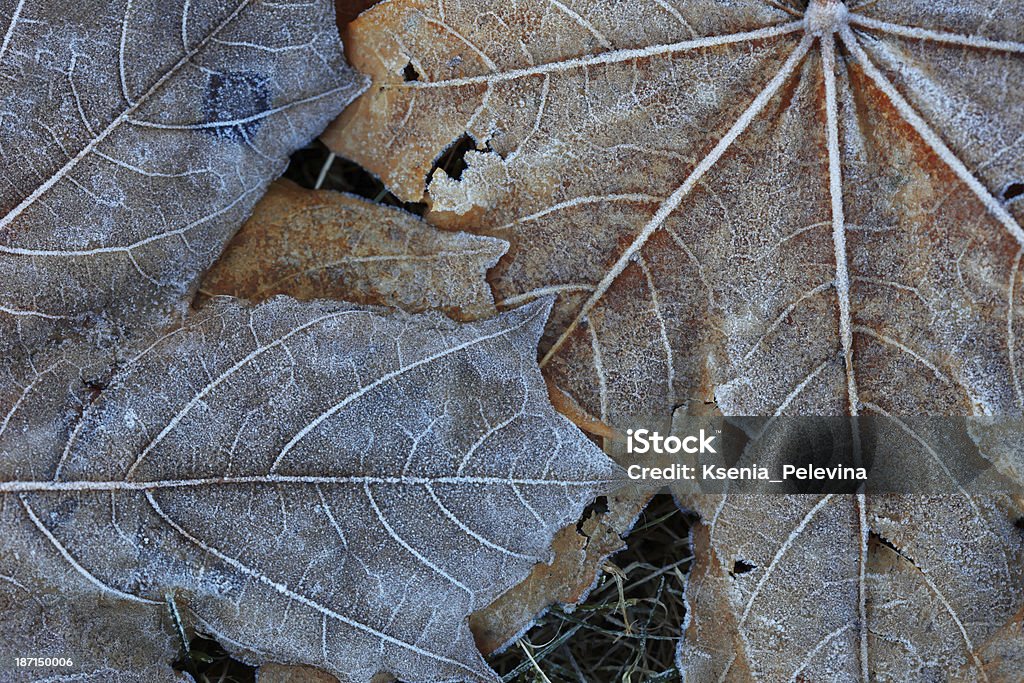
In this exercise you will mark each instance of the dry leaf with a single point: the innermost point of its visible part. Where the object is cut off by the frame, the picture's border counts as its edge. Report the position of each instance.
(844, 588)
(312, 483)
(866, 587)
(579, 552)
(312, 244)
(136, 139)
(771, 212)
(807, 212)
(279, 673)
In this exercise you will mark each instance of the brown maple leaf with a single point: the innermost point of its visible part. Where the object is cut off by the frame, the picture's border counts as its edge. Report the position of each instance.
(854, 588)
(762, 208)
(792, 209)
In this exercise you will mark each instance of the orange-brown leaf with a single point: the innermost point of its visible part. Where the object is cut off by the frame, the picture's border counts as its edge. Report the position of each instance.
(320, 244)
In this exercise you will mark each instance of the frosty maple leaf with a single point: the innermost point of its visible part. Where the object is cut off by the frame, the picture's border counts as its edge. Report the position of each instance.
(313, 483)
(136, 139)
(780, 209)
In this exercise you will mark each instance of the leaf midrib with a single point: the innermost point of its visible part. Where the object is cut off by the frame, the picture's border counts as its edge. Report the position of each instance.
(16, 486)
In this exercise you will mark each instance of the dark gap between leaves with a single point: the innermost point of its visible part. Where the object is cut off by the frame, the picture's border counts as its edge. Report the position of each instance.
(211, 662)
(453, 160)
(410, 74)
(345, 11)
(343, 175)
(592, 641)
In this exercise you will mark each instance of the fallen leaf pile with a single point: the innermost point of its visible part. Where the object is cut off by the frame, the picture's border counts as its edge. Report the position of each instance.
(320, 430)
(309, 482)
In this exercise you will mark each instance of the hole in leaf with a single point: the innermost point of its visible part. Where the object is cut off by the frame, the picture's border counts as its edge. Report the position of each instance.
(742, 567)
(875, 539)
(453, 160)
(409, 73)
(1019, 523)
(882, 540)
(598, 507)
(878, 540)
(1012, 191)
(211, 662)
(343, 175)
(94, 386)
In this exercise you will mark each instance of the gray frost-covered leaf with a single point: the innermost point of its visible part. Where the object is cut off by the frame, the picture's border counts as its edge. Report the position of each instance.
(314, 483)
(136, 138)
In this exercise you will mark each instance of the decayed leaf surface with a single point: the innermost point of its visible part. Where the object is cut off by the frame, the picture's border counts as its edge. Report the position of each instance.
(136, 138)
(312, 482)
(313, 244)
(789, 208)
